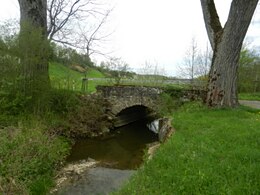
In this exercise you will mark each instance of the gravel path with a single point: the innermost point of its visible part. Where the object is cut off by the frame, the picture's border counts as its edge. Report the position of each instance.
(252, 104)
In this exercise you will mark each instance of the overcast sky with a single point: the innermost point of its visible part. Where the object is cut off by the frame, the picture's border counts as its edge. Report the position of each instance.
(153, 30)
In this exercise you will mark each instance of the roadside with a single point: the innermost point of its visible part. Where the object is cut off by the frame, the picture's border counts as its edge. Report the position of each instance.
(250, 103)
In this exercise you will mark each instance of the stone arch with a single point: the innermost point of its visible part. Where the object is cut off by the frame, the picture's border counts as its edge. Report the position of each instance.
(123, 103)
(132, 114)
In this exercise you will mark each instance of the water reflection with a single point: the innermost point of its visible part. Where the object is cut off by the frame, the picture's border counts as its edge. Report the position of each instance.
(124, 149)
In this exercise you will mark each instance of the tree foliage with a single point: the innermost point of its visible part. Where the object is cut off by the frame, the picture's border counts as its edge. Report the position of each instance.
(69, 56)
(249, 71)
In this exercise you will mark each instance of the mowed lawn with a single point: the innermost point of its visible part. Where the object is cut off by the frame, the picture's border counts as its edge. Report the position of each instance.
(211, 152)
(63, 77)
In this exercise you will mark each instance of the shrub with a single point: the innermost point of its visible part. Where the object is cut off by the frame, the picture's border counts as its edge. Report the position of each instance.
(168, 104)
(62, 101)
(87, 119)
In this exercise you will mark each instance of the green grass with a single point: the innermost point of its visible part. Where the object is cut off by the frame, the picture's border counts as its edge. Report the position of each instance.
(212, 152)
(29, 157)
(92, 73)
(31, 149)
(63, 77)
(249, 96)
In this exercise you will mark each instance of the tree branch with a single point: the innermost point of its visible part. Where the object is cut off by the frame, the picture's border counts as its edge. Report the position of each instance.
(212, 23)
(236, 24)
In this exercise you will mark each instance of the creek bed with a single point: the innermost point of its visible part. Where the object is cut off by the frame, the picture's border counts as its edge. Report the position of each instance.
(118, 154)
(98, 181)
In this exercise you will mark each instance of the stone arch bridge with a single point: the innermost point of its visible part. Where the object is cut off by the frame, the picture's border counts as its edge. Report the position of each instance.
(122, 97)
(131, 103)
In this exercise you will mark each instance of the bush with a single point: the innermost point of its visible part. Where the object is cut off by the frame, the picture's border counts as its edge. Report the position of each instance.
(87, 119)
(62, 101)
(168, 104)
(14, 103)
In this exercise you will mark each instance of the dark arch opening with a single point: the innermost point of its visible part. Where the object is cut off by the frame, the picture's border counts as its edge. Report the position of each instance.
(133, 114)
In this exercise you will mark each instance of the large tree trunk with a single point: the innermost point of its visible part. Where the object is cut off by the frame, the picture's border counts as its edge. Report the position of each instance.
(35, 13)
(226, 44)
(34, 46)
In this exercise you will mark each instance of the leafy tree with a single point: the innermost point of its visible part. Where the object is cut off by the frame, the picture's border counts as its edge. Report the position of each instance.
(226, 43)
(69, 56)
(249, 71)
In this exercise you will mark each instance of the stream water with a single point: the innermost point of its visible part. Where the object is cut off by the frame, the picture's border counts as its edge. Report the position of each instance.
(119, 155)
(122, 149)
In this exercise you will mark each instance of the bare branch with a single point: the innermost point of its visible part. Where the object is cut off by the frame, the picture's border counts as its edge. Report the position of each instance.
(59, 17)
(91, 39)
(68, 26)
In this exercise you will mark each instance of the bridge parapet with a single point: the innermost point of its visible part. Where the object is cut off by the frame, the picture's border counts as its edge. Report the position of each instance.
(128, 91)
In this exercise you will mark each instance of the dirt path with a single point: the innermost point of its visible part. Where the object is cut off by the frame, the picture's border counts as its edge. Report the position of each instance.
(249, 103)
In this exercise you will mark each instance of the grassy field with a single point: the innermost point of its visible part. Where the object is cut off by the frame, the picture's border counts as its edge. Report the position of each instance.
(212, 152)
(63, 77)
(249, 96)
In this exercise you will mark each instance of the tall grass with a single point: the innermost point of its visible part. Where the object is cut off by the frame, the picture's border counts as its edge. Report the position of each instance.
(28, 158)
(212, 152)
(30, 151)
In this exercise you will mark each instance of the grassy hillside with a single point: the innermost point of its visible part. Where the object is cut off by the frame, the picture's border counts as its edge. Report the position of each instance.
(212, 152)
(63, 77)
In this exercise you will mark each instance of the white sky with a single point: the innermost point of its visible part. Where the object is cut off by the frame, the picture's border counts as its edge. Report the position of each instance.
(153, 30)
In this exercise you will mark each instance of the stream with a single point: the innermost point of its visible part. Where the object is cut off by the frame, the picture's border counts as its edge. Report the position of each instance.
(120, 154)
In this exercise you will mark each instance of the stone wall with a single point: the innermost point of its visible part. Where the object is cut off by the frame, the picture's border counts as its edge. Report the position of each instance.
(162, 127)
(129, 91)
(187, 94)
(165, 129)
